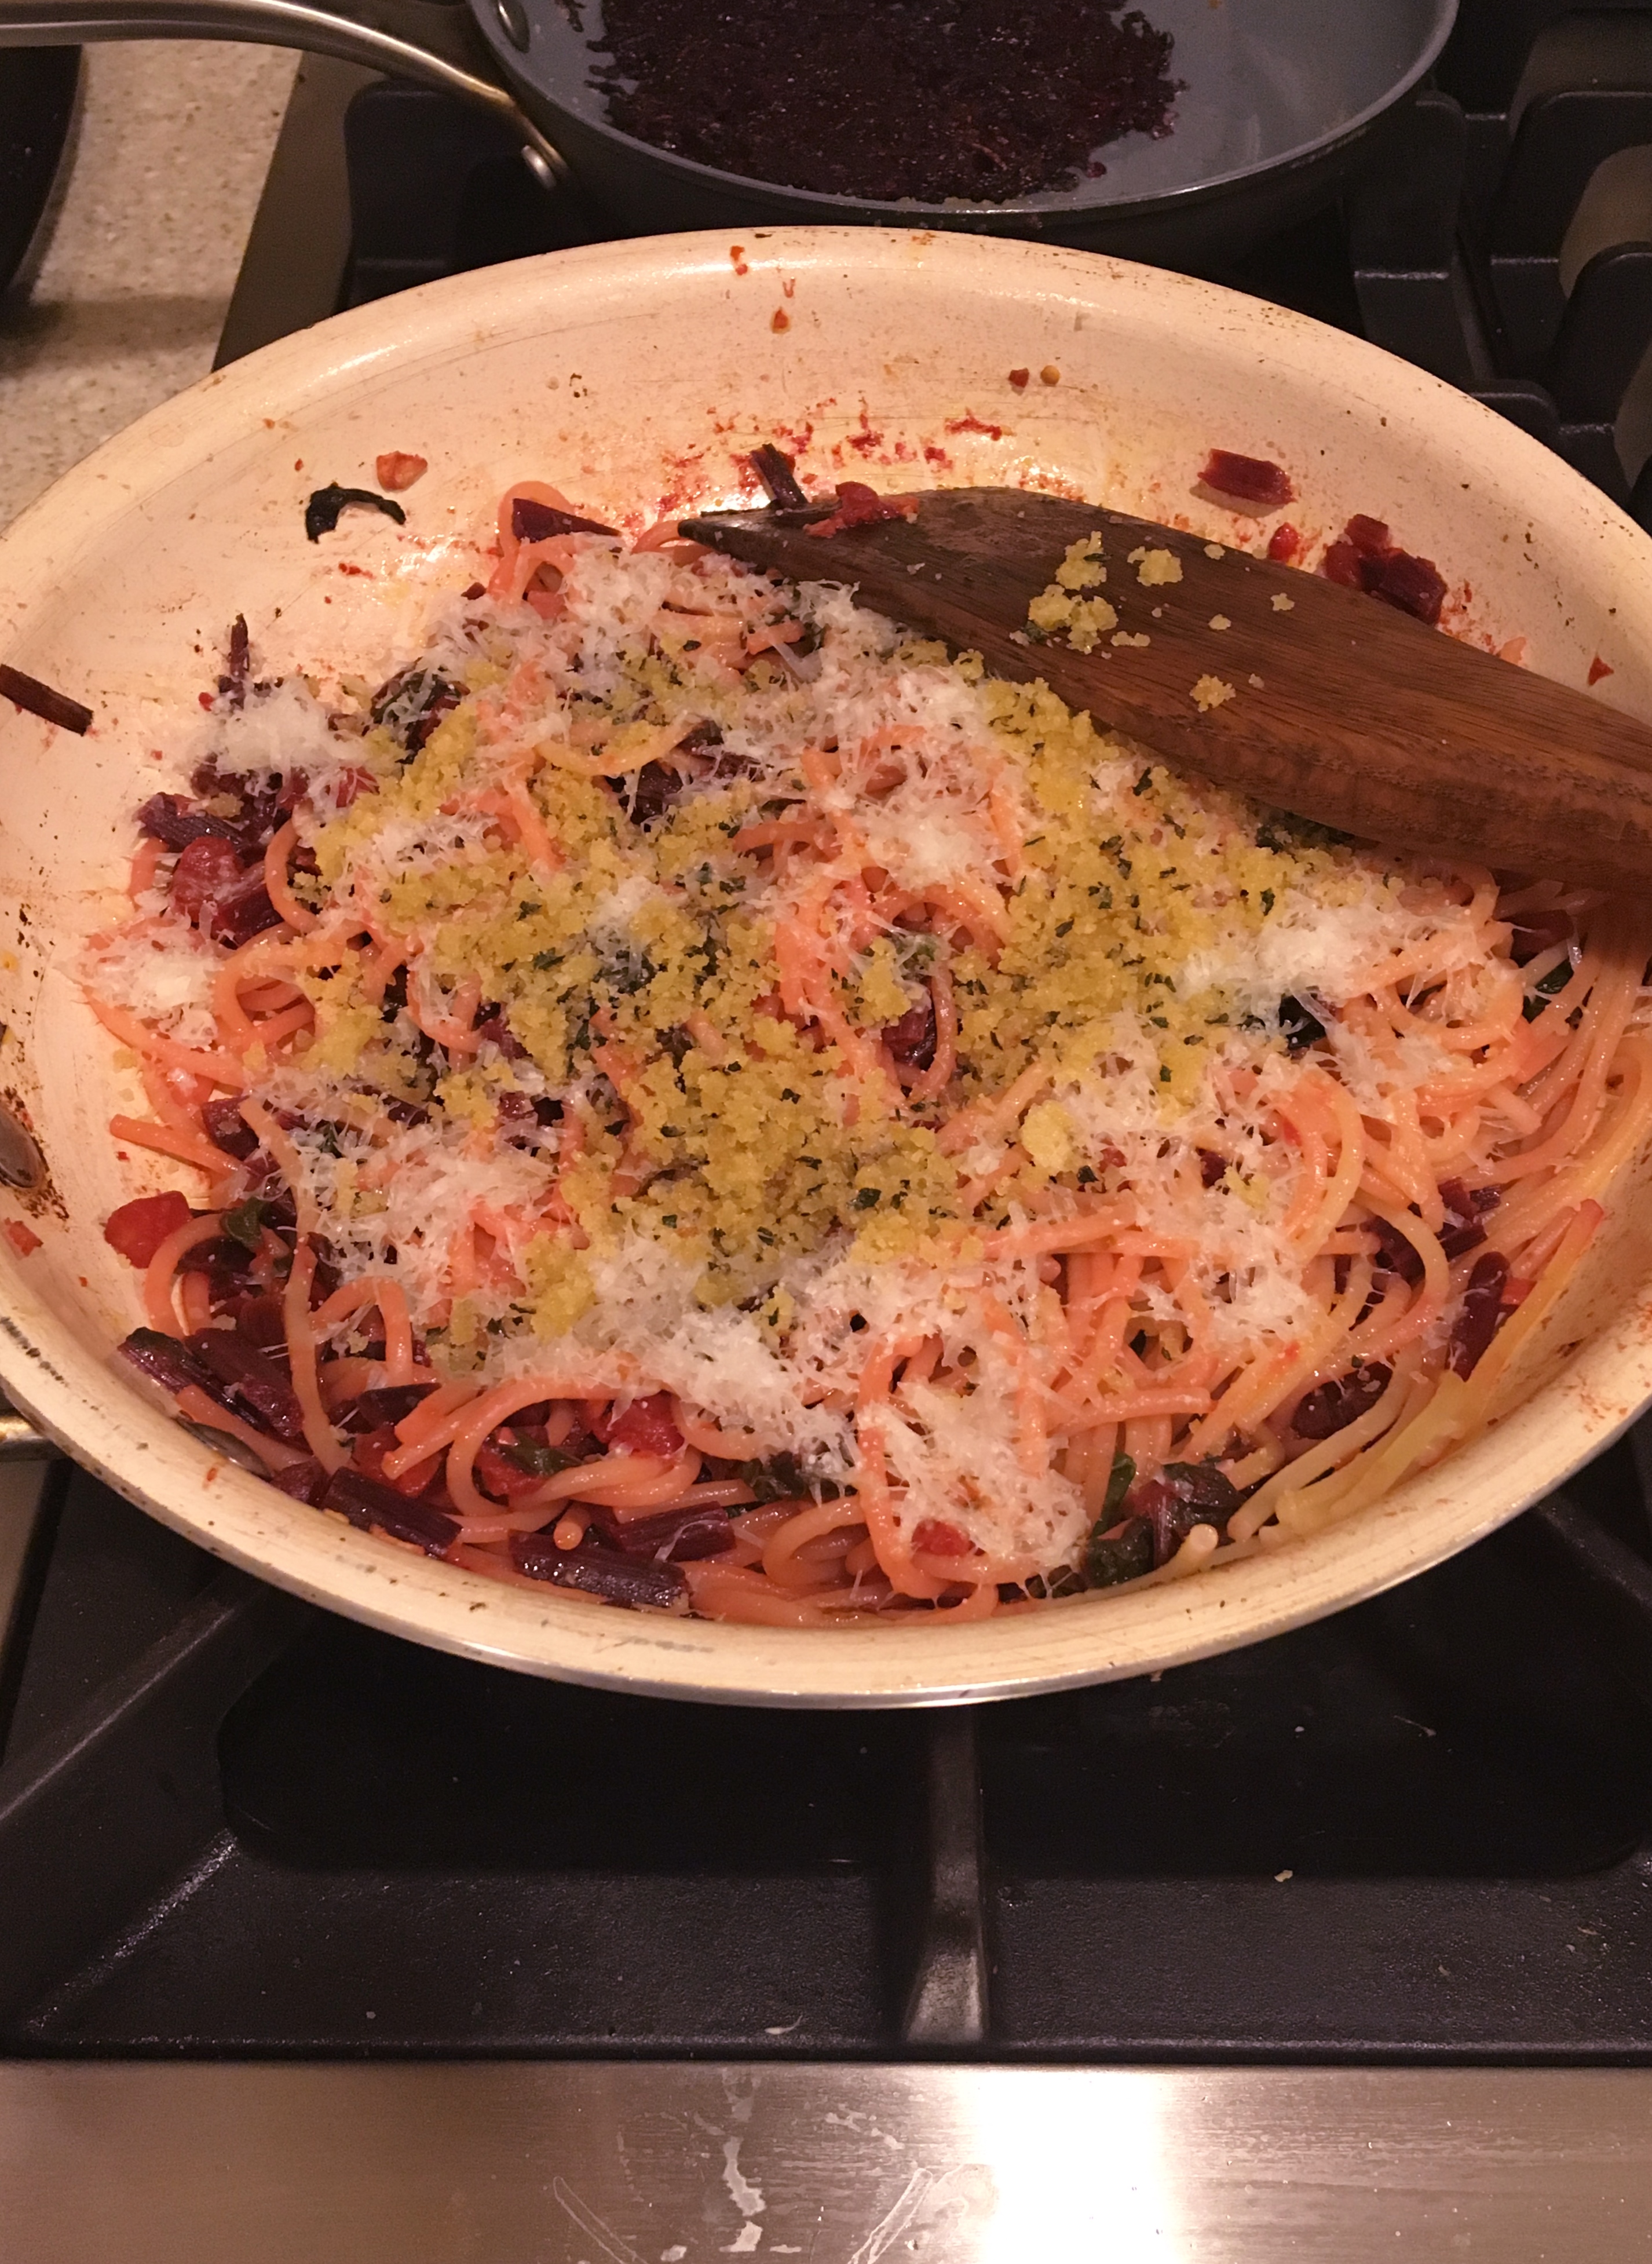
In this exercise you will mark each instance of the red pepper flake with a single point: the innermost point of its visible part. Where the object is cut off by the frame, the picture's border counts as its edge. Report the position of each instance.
(862, 506)
(37, 699)
(1285, 543)
(1020, 378)
(344, 567)
(23, 1240)
(1599, 668)
(788, 287)
(397, 469)
(779, 320)
(737, 259)
(1247, 479)
(970, 423)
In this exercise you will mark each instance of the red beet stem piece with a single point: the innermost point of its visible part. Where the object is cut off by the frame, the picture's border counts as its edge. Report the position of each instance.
(249, 1381)
(372, 1410)
(774, 468)
(859, 505)
(169, 1362)
(1462, 1232)
(370, 1504)
(168, 818)
(305, 1481)
(1247, 479)
(1481, 1313)
(598, 1571)
(1334, 1406)
(138, 1229)
(38, 698)
(673, 1537)
(538, 522)
(229, 1129)
(1416, 585)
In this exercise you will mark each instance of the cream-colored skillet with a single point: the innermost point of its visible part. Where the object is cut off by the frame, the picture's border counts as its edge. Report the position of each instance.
(636, 376)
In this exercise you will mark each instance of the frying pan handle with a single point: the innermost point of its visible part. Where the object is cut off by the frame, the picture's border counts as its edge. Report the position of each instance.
(466, 69)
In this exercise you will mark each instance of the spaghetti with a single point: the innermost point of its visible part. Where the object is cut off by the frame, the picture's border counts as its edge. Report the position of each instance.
(705, 1101)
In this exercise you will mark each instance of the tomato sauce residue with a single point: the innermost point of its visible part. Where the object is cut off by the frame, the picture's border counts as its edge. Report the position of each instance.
(23, 1240)
(1599, 669)
(970, 423)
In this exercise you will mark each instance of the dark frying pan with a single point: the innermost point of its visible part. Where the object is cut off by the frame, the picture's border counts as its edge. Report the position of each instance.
(1282, 98)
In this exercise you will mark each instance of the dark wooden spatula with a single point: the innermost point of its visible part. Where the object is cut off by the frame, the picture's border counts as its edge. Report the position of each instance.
(1310, 697)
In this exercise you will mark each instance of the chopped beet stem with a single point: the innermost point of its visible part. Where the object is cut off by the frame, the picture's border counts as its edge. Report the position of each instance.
(38, 698)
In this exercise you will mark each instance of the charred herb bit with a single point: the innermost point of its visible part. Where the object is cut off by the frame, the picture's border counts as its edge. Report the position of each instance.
(1117, 1550)
(1548, 986)
(538, 1460)
(539, 522)
(243, 1221)
(780, 1478)
(38, 698)
(320, 512)
(1299, 1025)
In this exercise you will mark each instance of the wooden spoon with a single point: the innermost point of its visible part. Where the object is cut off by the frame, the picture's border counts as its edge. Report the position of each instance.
(1326, 701)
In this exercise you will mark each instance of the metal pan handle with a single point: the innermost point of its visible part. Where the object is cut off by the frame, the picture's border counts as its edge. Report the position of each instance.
(287, 24)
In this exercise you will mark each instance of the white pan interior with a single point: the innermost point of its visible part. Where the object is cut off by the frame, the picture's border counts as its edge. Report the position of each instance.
(635, 376)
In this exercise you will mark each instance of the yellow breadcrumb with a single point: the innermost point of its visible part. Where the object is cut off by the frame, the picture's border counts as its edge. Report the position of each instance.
(1210, 692)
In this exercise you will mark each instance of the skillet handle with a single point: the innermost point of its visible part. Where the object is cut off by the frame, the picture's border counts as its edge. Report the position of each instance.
(465, 69)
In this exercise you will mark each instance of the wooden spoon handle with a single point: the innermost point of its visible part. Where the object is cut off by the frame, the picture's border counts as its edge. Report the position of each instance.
(1289, 688)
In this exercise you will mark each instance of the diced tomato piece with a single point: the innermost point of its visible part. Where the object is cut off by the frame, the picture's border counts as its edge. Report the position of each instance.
(496, 1471)
(137, 1229)
(23, 1238)
(937, 1538)
(397, 469)
(373, 1446)
(207, 869)
(646, 1427)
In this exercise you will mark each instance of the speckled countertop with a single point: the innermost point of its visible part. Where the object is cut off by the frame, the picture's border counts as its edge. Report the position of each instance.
(162, 177)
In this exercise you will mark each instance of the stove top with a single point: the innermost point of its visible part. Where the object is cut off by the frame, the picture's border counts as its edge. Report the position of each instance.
(1342, 1940)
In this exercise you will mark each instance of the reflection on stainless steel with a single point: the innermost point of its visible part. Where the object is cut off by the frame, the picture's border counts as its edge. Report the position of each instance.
(20, 1441)
(233, 1450)
(835, 2165)
(21, 1162)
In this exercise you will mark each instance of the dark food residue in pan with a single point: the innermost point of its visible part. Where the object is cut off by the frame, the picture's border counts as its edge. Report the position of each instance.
(980, 99)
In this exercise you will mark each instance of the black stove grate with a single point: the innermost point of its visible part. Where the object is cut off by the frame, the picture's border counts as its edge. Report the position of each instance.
(231, 1825)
